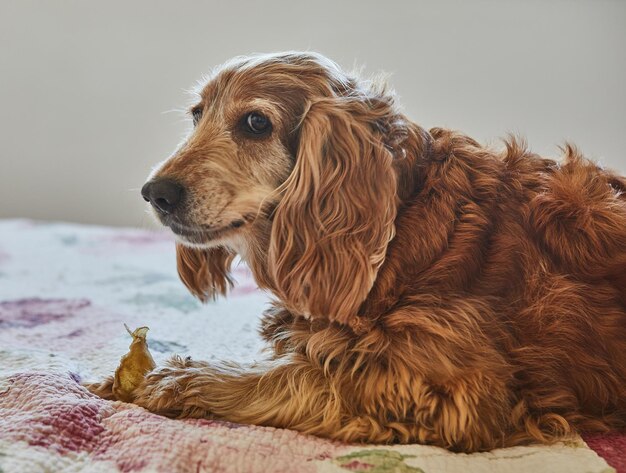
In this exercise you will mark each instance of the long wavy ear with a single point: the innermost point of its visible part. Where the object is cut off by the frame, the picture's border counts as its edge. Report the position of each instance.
(335, 218)
(205, 272)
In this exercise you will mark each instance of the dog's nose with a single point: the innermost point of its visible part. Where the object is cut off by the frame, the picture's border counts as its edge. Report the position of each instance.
(165, 195)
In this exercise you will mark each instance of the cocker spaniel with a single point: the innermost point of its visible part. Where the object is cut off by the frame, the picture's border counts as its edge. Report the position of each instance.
(427, 289)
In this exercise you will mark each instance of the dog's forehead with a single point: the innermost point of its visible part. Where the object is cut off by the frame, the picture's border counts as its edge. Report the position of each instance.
(273, 76)
(225, 87)
(214, 84)
(244, 82)
(252, 87)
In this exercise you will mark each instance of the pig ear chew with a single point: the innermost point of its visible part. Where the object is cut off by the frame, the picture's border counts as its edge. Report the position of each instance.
(133, 366)
(140, 332)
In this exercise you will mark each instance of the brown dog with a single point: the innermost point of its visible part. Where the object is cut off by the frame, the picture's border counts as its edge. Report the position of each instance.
(428, 289)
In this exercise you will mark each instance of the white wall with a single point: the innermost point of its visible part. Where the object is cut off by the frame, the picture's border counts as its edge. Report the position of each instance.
(86, 86)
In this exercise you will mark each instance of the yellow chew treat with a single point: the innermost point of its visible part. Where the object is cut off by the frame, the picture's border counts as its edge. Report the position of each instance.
(133, 366)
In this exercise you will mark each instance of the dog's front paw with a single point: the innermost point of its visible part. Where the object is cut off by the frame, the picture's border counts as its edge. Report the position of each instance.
(169, 390)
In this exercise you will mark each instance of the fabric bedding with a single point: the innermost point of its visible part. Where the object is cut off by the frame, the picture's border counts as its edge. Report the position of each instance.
(65, 293)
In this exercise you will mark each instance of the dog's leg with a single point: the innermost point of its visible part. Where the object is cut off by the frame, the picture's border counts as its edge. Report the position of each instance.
(290, 392)
(287, 392)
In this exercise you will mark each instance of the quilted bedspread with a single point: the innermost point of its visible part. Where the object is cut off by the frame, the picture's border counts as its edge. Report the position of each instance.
(65, 293)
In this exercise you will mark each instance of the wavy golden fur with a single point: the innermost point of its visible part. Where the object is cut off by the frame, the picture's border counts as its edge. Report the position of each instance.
(428, 289)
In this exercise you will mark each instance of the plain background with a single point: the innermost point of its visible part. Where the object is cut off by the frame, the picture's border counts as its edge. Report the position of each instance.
(88, 88)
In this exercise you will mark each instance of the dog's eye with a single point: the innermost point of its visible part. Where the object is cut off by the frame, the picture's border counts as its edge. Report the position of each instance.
(257, 123)
(196, 114)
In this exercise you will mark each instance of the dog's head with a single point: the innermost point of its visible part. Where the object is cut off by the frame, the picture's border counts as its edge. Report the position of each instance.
(289, 153)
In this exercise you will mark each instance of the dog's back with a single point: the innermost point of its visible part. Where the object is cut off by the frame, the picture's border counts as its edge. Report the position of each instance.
(572, 332)
(536, 250)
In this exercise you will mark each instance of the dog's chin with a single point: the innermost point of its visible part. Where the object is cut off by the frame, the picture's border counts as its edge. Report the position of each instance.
(204, 236)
